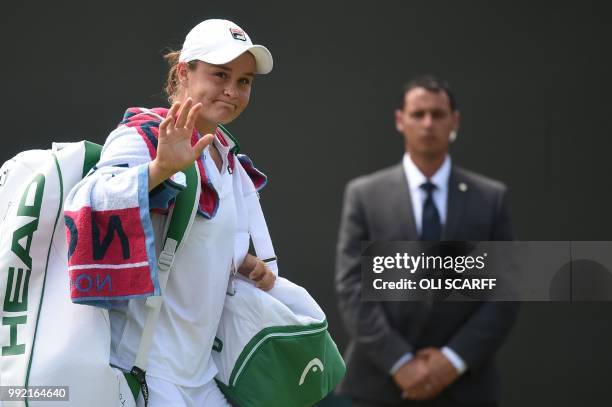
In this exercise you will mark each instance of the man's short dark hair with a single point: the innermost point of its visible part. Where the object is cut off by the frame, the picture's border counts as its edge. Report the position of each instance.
(432, 84)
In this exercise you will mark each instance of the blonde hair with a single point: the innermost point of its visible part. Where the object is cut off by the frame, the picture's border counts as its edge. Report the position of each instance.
(172, 82)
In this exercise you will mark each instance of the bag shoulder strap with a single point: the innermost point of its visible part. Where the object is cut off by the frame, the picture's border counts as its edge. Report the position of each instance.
(258, 228)
(179, 223)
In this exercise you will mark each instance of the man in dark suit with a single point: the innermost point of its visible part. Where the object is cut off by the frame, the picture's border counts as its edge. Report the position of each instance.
(421, 353)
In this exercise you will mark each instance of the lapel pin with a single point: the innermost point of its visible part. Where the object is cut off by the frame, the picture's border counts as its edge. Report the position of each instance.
(463, 187)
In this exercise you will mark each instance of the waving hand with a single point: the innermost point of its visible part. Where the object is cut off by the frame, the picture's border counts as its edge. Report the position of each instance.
(174, 149)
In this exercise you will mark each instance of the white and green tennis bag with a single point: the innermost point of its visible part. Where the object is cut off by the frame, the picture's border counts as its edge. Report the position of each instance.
(46, 340)
(273, 348)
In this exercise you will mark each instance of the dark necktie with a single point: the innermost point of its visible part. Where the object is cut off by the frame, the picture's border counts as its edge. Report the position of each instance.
(431, 228)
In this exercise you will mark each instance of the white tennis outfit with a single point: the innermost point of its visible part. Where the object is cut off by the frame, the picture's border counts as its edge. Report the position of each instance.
(180, 370)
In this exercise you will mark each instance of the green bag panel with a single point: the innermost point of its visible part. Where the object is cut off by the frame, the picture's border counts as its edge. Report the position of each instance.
(287, 368)
(92, 156)
(133, 384)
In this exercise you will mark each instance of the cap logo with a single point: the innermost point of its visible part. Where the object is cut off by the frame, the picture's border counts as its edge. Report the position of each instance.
(238, 34)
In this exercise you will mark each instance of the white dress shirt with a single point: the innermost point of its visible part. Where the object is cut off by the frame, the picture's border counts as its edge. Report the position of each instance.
(418, 195)
(440, 197)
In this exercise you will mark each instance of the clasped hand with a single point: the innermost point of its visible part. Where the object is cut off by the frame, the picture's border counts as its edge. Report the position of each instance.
(426, 375)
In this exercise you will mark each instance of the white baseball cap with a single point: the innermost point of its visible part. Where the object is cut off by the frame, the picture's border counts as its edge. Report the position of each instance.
(221, 41)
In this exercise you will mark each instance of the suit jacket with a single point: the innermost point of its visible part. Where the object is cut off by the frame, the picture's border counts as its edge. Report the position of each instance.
(377, 207)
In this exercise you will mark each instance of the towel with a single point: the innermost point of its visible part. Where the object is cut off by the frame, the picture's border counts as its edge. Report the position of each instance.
(111, 242)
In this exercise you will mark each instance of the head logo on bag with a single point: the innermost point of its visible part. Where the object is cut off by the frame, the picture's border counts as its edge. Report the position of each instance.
(16, 296)
(311, 366)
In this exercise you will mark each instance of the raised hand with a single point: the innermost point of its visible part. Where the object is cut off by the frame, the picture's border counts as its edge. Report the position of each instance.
(174, 149)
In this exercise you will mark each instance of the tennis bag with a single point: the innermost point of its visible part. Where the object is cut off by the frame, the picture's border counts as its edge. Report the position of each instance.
(272, 348)
(46, 340)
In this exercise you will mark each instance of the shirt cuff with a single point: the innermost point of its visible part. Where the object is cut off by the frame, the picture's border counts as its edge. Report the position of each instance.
(401, 362)
(455, 359)
(162, 195)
